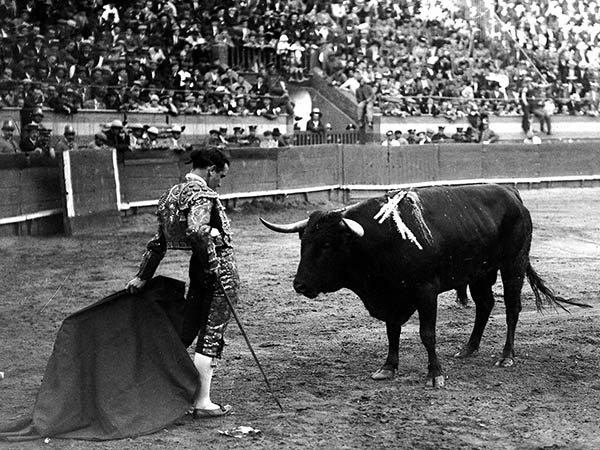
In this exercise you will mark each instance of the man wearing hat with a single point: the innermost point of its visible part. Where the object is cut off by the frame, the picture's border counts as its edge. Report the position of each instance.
(151, 142)
(214, 139)
(440, 136)
(390, 140)
(67, 141)
(315, 124)
(365, 99)
(223, 136)
(7, 143)
(99, 142)
(192, 218)
(116, 136)
(29, 142)
(136, 136)
(252, 140)
(174, 142)
(268, 141)
(401, 139)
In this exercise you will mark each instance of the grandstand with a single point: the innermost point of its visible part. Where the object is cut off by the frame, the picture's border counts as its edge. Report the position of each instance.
(430, 58)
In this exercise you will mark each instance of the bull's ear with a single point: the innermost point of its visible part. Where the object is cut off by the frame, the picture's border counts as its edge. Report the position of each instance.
(295, 227)
(355, 227)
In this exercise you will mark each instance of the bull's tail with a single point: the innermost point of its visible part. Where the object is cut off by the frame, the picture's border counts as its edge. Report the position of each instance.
(544, 295)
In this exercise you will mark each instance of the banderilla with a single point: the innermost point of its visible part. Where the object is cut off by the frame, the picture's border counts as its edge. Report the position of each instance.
(232, 308)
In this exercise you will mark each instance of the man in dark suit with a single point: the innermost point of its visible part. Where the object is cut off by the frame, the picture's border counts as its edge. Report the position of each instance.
(315, 124)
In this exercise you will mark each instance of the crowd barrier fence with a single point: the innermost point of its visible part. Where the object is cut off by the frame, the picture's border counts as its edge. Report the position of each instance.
(92, 188)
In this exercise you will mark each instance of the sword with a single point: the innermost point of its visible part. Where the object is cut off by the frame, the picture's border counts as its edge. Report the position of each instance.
(232, 308)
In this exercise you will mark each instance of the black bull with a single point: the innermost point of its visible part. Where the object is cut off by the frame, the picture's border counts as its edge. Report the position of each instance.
(399, 251)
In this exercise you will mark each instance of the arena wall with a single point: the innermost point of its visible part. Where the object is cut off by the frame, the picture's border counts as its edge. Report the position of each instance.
(97, 188)
(31, 201)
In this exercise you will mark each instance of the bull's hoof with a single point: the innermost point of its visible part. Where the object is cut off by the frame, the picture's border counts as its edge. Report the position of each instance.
(505, 362)
(465, 352)
(383, 374)
(439, 382)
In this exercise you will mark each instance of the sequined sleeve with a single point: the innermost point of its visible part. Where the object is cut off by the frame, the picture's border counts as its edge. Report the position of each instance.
(155, 252)
(198, 230)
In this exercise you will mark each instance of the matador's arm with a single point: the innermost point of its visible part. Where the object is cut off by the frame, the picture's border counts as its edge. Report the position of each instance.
(198, 232)
(155, 252)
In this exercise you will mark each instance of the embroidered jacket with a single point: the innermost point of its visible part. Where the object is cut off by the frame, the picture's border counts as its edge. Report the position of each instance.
(190, 217)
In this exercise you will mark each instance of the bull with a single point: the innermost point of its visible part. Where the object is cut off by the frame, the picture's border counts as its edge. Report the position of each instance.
(399, 251)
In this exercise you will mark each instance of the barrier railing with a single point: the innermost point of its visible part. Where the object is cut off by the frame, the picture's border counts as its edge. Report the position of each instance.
(105, 186)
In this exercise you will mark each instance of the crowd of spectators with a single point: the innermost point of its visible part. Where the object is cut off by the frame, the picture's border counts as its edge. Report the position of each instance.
(148, 55)
(441, 60)
(192, 57)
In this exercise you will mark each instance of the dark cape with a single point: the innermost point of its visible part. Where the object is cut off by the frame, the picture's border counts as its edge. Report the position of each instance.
(118, 369)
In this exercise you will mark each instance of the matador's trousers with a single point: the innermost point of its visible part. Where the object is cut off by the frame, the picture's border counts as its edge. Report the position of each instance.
(207, 312)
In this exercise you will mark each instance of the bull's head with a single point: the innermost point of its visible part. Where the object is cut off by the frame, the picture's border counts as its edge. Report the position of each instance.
(325, 250)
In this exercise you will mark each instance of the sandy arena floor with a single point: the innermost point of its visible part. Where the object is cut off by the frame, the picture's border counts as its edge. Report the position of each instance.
(319, 354)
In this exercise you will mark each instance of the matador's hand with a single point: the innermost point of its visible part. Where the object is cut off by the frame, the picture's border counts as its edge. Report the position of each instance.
(135, 285)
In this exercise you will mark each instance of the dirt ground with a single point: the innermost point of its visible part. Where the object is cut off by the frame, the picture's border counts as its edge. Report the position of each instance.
(319, 354)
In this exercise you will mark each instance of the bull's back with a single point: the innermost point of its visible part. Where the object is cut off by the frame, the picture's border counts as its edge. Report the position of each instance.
(464, 231)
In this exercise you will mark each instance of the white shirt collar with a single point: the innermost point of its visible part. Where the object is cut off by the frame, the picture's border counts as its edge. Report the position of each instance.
(193, 177)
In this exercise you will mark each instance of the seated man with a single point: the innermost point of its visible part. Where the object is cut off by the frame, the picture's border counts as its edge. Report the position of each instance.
(29, 141)
(7, 142)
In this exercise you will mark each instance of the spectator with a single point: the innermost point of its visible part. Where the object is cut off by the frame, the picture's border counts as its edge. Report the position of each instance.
(99, 142)
(151, 142)
(174, 142)
(459, 136)
(365, 97)
(486, 135)
(214, 139)
(136, 136)
(267, 109)
(116, 137)
(153, 105)
(253, 139)
(268, 141)
(315, 123)
(281, 139)
(401, 139)
(7, 142)
(440, 136)
(67, 141)
(390, 140)
(422, 138)
(30, 141)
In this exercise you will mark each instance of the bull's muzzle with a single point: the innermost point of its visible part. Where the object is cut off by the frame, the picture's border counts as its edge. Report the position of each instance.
(301, 288)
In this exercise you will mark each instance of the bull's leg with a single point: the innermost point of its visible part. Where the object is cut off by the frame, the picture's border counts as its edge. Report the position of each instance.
(461, 295)
(388, 369)
(482, 294)
(427, 307)
(513, 283)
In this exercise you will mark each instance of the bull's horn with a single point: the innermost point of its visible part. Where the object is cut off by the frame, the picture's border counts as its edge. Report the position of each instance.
(354, 226)
(285, 228)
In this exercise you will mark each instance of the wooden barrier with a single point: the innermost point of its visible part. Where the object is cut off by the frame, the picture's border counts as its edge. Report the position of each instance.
(31, 201)
(91, 188)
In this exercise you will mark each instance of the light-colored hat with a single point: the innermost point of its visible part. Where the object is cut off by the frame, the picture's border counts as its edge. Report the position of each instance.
(154, 97)
(152, 130)
(8, 124)
(316, 111)
(116, 124)
(177, 129)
